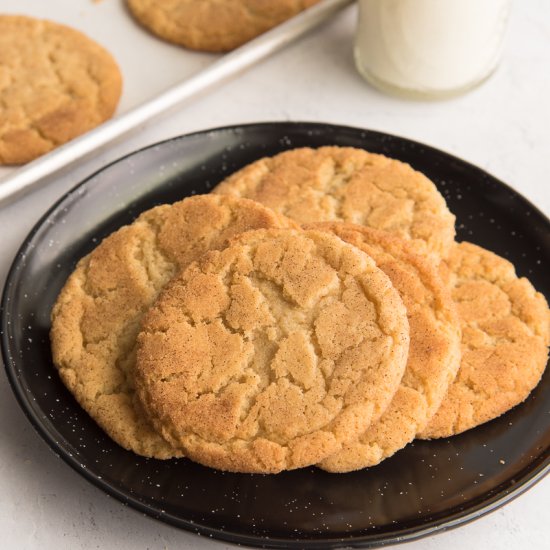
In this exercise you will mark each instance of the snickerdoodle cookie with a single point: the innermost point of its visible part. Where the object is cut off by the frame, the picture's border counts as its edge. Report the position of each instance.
(96, 318)
(213, 25)
(350, 185)
(55, 84)
(434, 352)
(505, 334)
(272, 353)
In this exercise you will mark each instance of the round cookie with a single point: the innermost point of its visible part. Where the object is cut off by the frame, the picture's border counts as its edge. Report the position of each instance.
(349, 185)
(505, 334)
(55, 84)
(434, 351)
(96, 319)
(272, 353)
(213, 25)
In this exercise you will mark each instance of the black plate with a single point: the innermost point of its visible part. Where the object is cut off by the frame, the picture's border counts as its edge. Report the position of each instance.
(427, 487)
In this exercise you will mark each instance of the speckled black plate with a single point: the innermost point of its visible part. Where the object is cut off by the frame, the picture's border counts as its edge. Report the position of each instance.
(429, 486)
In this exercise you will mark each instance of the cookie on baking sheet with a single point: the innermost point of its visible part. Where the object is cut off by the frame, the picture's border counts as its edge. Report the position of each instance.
(505, 336)
(213, 25)
(96, 318)
(272, 353)
(55, 84)
(350, 185)
(434, 351)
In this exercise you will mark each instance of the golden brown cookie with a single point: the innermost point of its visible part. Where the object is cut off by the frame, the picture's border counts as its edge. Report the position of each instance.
(55, 84)
(505, 334)
(272, 353)
(350, 185)
(213, 25)
(96, 318)
(434, 352)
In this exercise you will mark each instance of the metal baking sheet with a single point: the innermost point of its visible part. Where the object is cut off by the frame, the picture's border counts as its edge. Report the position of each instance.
(157, 76)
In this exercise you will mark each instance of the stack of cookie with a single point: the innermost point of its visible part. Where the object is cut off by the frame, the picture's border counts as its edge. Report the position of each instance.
(314, 309)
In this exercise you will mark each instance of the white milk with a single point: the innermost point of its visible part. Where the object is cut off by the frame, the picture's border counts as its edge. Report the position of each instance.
(429, 47)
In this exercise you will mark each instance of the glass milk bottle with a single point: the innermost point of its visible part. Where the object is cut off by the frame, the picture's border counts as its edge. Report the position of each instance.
(429, 48)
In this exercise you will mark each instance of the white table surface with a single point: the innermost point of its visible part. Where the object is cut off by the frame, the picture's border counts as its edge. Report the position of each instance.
(502, 126)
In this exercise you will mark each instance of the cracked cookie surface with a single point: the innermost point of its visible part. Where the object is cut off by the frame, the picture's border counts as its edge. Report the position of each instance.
(55, 84)
(434, 351)
(272, 353)
(505, 336)
(96, 318)
(213, 25)
(348, 185)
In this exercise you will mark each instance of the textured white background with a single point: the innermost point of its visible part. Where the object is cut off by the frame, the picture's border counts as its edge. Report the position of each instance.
(502, 127)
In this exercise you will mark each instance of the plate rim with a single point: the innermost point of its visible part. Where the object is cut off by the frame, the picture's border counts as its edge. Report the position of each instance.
(433, 526)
